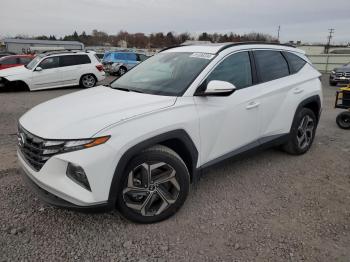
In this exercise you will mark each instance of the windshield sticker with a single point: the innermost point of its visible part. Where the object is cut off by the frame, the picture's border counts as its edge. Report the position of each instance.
(202, 55)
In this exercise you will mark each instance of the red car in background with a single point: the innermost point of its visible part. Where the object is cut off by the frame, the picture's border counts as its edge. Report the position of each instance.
(14, 60)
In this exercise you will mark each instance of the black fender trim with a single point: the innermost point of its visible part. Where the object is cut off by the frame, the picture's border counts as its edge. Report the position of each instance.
(311, 99)
(179, 134)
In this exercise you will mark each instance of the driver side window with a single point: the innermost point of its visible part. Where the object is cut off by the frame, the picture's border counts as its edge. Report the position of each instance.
(48, 63)
(235, 69)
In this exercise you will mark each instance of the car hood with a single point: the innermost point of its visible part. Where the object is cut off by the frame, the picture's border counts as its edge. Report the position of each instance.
(343, 69)
(13, 71)
(82, 114)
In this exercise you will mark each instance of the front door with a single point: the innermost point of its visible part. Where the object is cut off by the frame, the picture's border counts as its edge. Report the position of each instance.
(49, 76)
(229, 124)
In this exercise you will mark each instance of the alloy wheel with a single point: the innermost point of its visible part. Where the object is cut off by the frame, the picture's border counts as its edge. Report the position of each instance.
(88, 81)
(151, 188)
(305, 132)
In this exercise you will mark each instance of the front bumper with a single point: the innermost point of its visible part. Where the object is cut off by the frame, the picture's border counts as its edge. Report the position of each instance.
(59, 202)
(334, 78)
(56, 188)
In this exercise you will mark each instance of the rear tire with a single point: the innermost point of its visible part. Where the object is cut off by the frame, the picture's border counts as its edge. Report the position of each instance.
(122, 70)
(88, 81)
(302, 132)
(154, 186)
(343, 120)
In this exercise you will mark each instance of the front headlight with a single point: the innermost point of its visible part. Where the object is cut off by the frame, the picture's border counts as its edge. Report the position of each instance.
(64, 146)
(333, 72)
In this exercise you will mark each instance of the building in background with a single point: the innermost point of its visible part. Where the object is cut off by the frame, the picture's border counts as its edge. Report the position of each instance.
(20, 46)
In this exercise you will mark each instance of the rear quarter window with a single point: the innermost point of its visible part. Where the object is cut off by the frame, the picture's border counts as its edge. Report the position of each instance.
(296, 63)
(71, 60)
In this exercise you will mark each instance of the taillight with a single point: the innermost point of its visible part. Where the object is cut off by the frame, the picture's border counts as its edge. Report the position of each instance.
(99, 67)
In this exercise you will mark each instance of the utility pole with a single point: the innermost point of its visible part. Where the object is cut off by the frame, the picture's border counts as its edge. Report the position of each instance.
(330, 36)
(278, 33)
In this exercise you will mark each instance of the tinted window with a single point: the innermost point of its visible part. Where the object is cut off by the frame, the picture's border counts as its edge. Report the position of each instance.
(119, 56)
(295, 62)
(9, 61)
(235, 69)
(131, 57)
(48, 63)
(71, 60)
(25, 60)
(141, 57)
(270, 65)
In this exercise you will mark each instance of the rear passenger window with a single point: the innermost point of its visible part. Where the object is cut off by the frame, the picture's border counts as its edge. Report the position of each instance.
(235, 69)
(295, 62)
(271, 65)
(131, 57)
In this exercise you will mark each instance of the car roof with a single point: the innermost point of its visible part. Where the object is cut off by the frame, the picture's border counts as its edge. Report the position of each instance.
(9, 56)
(218, 47)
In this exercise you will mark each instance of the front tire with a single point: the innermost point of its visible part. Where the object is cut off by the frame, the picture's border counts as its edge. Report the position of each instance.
(343, 120)
(88, 81)
(154, 186)
(302, 133)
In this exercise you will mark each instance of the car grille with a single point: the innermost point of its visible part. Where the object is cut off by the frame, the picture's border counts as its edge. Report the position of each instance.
(340, 74)
(36, 150)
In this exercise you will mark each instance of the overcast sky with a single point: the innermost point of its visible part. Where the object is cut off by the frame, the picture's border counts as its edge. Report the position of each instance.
(306, 20)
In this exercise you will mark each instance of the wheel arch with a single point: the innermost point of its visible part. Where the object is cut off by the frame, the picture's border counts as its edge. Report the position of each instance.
(81, 77)
(178, 140)
(313, 103)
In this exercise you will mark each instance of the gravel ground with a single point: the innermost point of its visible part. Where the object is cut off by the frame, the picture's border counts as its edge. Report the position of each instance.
(265, 207)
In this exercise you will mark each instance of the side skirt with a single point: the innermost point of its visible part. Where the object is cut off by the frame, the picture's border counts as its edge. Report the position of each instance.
(251, 148)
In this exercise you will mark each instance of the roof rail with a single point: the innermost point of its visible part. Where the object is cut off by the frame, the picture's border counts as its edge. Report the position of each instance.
(48, 52)
(170, 47)
(251, 43)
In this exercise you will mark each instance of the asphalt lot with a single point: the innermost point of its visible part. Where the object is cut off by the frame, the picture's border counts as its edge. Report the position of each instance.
(267, 207)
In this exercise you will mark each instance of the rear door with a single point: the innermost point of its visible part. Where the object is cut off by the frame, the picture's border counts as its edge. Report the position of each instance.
(50, 75)
(273, 75)
(72, 67)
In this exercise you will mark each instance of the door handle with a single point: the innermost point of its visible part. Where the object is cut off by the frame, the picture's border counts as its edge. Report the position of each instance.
(252, 104)
(298, 90)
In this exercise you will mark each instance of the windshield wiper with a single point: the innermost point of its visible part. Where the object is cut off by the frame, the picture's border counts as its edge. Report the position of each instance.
(125, 89)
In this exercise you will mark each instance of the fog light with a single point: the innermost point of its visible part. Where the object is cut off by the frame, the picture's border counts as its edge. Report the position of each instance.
(77, 174)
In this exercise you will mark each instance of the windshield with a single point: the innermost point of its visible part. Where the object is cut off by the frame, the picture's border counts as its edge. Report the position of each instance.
(164, 74)
(32, 63)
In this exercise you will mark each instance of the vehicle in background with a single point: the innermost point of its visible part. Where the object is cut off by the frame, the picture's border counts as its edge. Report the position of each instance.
(100, 56)
(138, 143)
(15, 60)
(6, 54)
(340, 75)
(55, 69)
(118, 63)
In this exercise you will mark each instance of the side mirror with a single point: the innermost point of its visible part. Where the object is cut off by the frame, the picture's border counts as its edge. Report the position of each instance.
(38, 69)
(219, 88)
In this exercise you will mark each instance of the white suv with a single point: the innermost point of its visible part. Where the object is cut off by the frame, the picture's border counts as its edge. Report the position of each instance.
(55, 69)
(138, 144)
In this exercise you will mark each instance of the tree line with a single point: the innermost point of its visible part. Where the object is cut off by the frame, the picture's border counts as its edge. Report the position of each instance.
(156, 40)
